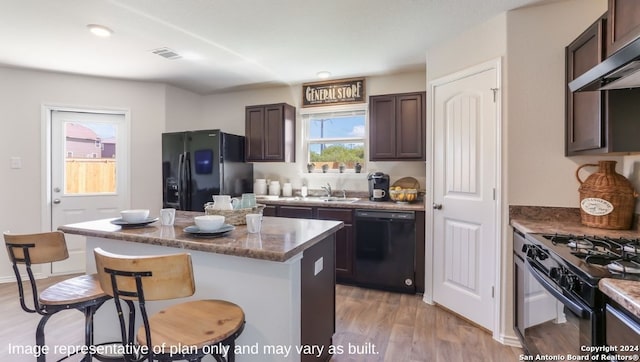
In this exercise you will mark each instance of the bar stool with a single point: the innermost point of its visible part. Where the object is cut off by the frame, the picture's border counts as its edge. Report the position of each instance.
(82, 293)
(184, 331)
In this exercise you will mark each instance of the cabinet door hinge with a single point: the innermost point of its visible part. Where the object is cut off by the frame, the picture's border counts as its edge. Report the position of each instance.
(494, 90)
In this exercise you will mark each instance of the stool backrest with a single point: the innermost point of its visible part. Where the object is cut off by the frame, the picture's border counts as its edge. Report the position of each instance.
(36, 248)
(31, 249)
(162, 276)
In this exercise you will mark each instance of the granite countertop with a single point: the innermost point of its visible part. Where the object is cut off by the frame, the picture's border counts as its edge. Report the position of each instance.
(362, 203)
(624, 292)
(552, 220)
(279, 240)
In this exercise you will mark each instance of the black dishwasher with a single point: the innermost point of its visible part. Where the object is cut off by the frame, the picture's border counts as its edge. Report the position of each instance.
(385, 250)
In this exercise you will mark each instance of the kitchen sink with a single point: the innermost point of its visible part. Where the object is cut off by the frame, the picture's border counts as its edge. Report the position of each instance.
(321, 199)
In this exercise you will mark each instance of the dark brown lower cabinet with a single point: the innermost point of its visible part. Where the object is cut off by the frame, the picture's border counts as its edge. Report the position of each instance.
(269, 210)
(299, 212)
(344, 240)
(318, 299)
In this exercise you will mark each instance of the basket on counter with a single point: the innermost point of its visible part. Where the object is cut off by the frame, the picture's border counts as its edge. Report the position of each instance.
(607, 199)
(237, 216)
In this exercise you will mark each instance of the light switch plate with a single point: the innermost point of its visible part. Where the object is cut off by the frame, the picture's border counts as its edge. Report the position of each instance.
(319, 264)
(16, 162)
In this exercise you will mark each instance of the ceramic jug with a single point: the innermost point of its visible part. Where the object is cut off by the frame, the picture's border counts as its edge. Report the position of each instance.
(224, 202)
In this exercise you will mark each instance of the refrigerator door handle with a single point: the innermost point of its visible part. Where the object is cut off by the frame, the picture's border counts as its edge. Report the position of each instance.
(180, 181)
(187, 173)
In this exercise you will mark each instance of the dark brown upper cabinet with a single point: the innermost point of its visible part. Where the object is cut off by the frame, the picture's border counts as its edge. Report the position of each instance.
(270, 131)
(585, 111)
(598, 122)
(623, 23)
(396, 127)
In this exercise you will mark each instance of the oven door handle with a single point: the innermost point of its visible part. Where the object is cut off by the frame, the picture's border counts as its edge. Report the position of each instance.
(574, 306)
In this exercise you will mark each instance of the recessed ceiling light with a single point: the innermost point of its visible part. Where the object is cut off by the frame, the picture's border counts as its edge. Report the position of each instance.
(100, 30)
(323, 75)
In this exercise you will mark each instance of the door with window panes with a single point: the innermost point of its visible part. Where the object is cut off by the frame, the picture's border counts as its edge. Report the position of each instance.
(335, 141)
(88, 175)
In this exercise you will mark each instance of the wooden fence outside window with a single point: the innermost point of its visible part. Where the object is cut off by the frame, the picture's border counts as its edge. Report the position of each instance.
(89, 176)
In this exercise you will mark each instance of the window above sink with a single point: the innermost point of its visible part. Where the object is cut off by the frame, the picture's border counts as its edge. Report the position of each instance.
(335, 139)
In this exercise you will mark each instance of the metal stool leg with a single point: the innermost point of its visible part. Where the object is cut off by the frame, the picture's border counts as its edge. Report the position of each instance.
(88, 330)
(40, 336)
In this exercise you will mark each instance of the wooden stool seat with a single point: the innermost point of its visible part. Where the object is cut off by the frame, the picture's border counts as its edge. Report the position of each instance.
(198, 323)
(194, 325)
(74, 290)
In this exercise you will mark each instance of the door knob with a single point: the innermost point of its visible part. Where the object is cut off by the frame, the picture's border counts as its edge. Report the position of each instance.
(56, 201)
(437, 206)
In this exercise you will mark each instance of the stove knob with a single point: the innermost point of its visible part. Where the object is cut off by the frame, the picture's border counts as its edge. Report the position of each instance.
(530, 250)
(542, 255)
(565, 281)
(574, 284)
(570, 282)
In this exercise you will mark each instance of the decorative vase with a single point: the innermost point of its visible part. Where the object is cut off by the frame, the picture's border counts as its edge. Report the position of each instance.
(341, 167)
(358, 167)
(325, 167)
(310, 167)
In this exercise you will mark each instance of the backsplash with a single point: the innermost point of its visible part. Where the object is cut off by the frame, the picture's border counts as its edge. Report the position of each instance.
(350, 181)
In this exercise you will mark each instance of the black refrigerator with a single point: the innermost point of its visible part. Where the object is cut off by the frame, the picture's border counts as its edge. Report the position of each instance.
(199, 164)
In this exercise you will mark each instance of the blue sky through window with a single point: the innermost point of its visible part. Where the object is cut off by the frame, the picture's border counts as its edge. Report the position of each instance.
(337, 127)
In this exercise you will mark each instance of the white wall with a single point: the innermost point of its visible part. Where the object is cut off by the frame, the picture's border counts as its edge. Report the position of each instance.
(228, 111)
(183, 110)
(22, 94)
(538, 172)
(632, 172)
(484, 42)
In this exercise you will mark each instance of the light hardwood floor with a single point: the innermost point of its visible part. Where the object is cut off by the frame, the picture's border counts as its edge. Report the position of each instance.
(404, 328)
(375, 325)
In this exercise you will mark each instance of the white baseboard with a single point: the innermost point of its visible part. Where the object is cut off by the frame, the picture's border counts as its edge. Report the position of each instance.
(511, 341)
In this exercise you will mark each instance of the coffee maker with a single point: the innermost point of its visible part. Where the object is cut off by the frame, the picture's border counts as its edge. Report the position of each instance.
(378, 186)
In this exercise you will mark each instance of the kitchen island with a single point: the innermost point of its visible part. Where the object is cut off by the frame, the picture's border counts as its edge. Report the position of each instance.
(283, 278)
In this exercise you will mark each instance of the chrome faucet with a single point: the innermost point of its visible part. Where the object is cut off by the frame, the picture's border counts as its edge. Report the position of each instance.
(327, 189)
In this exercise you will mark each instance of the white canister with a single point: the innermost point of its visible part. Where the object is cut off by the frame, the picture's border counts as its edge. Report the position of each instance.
(287, 191)
(274, 188)
(260, 186)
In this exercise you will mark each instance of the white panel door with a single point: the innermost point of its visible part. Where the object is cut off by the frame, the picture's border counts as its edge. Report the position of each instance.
(88, 175)
(464, 182)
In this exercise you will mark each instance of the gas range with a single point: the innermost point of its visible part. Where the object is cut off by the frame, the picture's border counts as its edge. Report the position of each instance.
(595, 257)
(558, 306)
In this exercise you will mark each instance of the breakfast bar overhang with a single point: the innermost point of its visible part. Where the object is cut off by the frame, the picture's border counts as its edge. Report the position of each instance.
(283, 278)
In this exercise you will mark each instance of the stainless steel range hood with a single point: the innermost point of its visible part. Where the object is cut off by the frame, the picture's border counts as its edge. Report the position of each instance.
(620, 70)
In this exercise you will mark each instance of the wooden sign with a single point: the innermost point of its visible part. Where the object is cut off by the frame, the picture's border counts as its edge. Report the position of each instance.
(334, 92)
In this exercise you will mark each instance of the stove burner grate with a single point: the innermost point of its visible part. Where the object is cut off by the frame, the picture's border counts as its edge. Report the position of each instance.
(624, 267)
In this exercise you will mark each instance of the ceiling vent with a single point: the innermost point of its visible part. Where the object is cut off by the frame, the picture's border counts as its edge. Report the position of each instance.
(167, 53)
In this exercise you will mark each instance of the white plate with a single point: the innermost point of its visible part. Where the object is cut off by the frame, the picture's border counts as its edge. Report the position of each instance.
(127, 224)
(195, 230)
